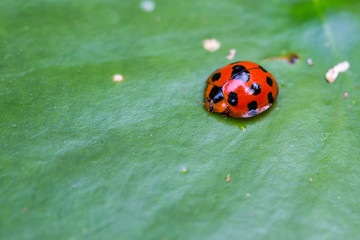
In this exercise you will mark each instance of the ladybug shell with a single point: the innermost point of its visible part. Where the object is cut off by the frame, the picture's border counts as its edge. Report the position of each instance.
(241, 90)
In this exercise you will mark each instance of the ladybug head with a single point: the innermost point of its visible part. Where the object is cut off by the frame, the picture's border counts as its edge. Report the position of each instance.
(214, 99)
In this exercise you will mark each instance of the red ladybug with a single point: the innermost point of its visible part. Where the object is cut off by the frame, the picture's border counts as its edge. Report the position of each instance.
(241, 89)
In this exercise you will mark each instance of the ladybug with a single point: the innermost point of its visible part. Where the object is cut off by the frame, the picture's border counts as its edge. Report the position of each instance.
(241, 89)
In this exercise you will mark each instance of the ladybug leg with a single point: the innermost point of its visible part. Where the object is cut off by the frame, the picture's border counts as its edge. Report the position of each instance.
(226, 112)
(211, 107)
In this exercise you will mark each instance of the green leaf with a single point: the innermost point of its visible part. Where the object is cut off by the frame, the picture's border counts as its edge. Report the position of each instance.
(84, 157)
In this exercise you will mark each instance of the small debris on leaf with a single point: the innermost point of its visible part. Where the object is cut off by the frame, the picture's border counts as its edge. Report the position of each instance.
(346, 95)
(342, 67)
(309, 62)
(184, 170)
(211, 45)
(310, 179)
(24, 210)
(248, 195)
(228, 179)
(333, 73)
(291, 58)
(147, 6)
(232, 54)
(118, 78)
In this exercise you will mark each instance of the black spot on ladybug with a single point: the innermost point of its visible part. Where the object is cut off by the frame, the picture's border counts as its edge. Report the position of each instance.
(262, 69)
(270, 98)
(252, 106)
(238, 68)
(216, 77)
(239, 73)
(255, 89)
(216, 94)
(269, 81)
(233, 100)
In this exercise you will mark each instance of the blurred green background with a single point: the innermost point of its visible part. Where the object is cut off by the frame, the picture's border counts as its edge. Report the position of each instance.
(84, 157)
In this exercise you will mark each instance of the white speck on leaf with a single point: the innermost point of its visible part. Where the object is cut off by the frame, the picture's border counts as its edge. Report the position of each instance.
(232, 54)
(118, 78)
(147, 6)
(342, 67)
(331, 75)
(309, 62)
(211, 45)
(248, 195)
(310, 179)
(333, 72)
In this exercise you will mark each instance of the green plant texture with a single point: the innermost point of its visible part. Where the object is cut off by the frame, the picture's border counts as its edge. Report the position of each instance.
(84, 157)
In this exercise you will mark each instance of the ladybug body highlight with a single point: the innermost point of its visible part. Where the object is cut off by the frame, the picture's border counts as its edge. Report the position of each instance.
(241, 89)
